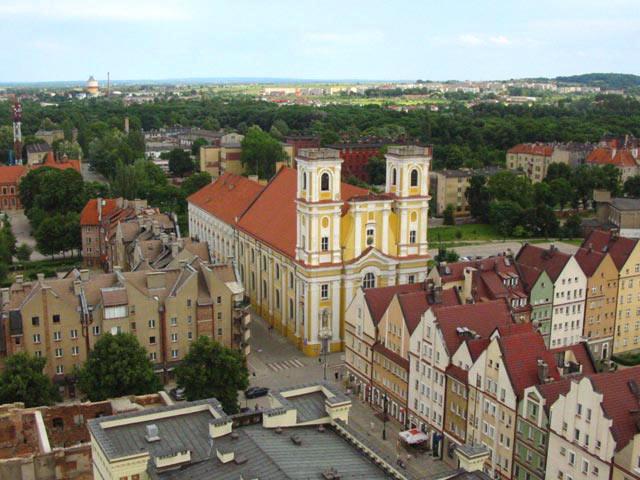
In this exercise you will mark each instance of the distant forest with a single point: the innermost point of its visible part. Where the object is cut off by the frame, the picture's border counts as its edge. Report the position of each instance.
(606, 80)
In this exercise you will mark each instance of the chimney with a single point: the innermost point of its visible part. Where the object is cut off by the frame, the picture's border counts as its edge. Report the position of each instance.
(543, 371)
(84, 275)
(467, 289)
(19, 280)
(77, 287)
(437, 294)
(117, 269)
(99, 204)
(40, 277)
(50, 158)
(175, 249)
(155, 227)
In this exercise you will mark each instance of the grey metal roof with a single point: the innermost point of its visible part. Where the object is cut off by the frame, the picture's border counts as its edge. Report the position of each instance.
(626, 203)
(310, 406)
(130, 439)
(273, 456)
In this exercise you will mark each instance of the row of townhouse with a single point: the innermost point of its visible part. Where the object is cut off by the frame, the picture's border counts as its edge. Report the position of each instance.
(458, 354)
(452, 368)
(61, 319)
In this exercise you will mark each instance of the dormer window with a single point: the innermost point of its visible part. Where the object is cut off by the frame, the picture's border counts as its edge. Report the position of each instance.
(324, 182)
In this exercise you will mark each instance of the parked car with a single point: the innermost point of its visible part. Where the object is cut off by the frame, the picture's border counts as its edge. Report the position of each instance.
(255, 392)
(177, 394)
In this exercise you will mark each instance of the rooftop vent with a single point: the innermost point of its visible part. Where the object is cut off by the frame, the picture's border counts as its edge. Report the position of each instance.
(240, 459)
(321, 428)
(152, 433)
(278, 430)
(296, 439)
(234, 435)
(331, 474)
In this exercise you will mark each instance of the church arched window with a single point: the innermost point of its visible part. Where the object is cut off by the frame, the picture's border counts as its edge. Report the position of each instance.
(414, 177)
(324, 182)
(369, 281)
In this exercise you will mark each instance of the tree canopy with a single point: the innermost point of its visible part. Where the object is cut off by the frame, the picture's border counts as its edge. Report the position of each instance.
(260, 153)
(213, 370)
(117, 366)
(23, 380)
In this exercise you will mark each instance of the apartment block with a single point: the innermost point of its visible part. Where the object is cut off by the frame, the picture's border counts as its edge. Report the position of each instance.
(450, 187)
(62, 319)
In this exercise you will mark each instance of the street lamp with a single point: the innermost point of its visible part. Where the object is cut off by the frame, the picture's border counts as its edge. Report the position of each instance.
(385, 399)
(325, 335)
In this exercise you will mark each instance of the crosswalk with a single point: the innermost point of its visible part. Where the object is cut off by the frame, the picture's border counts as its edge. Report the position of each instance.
(285, 365)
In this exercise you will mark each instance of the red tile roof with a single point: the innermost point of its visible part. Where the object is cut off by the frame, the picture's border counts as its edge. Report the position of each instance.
(89, 214)
(551, 260)
(481, 318)
(458, 373)
(608, 156)
(414, 304)
(619, 402)
(271, 217)
(10, 174)
(552, 390)
(520, 355)
(391, 355)
(532, 149)
(477, 346)
(589, 260)
(378, 299)
(228, 197)
(618, 247)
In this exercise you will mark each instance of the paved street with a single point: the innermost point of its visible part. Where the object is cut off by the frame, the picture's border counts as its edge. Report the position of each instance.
(277, 363)
(89, 175)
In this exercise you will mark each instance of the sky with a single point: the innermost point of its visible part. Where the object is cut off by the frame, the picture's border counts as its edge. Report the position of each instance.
(60, 40)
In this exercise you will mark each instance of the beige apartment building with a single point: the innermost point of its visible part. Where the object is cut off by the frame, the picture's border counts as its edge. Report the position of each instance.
(225, 157)
(451, 185)
(534, 158)
(62, 319)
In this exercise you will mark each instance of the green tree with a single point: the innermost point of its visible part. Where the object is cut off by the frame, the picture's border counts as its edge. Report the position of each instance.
(562, 191)
(505, 215)
(377, 170)
(195, 182)
(195, 146)
(543, 194)
(71, 149)
(478, 197)
(23, 381)
(448, 216)
(23, 252)
(117, 366)
(180, 162)
(260, 153)
(446, 255)
(572, 228)
(211, 123)
(632, 187)
(558, 170)
(212, 370)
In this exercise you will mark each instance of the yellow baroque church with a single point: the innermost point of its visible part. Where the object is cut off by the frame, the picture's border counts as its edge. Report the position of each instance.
(305, 242)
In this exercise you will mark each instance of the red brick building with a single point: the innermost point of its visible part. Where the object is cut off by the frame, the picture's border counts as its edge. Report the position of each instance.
(355, 158)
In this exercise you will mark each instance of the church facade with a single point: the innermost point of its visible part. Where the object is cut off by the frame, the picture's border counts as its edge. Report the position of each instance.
(306, 242)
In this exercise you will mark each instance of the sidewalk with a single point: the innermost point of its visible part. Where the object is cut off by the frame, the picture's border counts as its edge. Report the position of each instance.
(420, 465)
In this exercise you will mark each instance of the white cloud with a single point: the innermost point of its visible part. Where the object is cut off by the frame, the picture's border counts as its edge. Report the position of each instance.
(470, 40)
(113, 10)
(500, 40)
(477, 40)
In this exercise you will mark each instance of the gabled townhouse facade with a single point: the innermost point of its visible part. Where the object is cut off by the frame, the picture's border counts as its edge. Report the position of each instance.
(594, 428)
(362, 317)
(625, 253)
(539, 287)
(569, 291)
(434, 343)
(601, 299)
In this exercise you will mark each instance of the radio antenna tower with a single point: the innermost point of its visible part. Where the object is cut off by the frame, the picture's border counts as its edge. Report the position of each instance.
(17, 130)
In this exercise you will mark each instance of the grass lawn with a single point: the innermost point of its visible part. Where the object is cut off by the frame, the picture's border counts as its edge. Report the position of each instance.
(460, 233)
